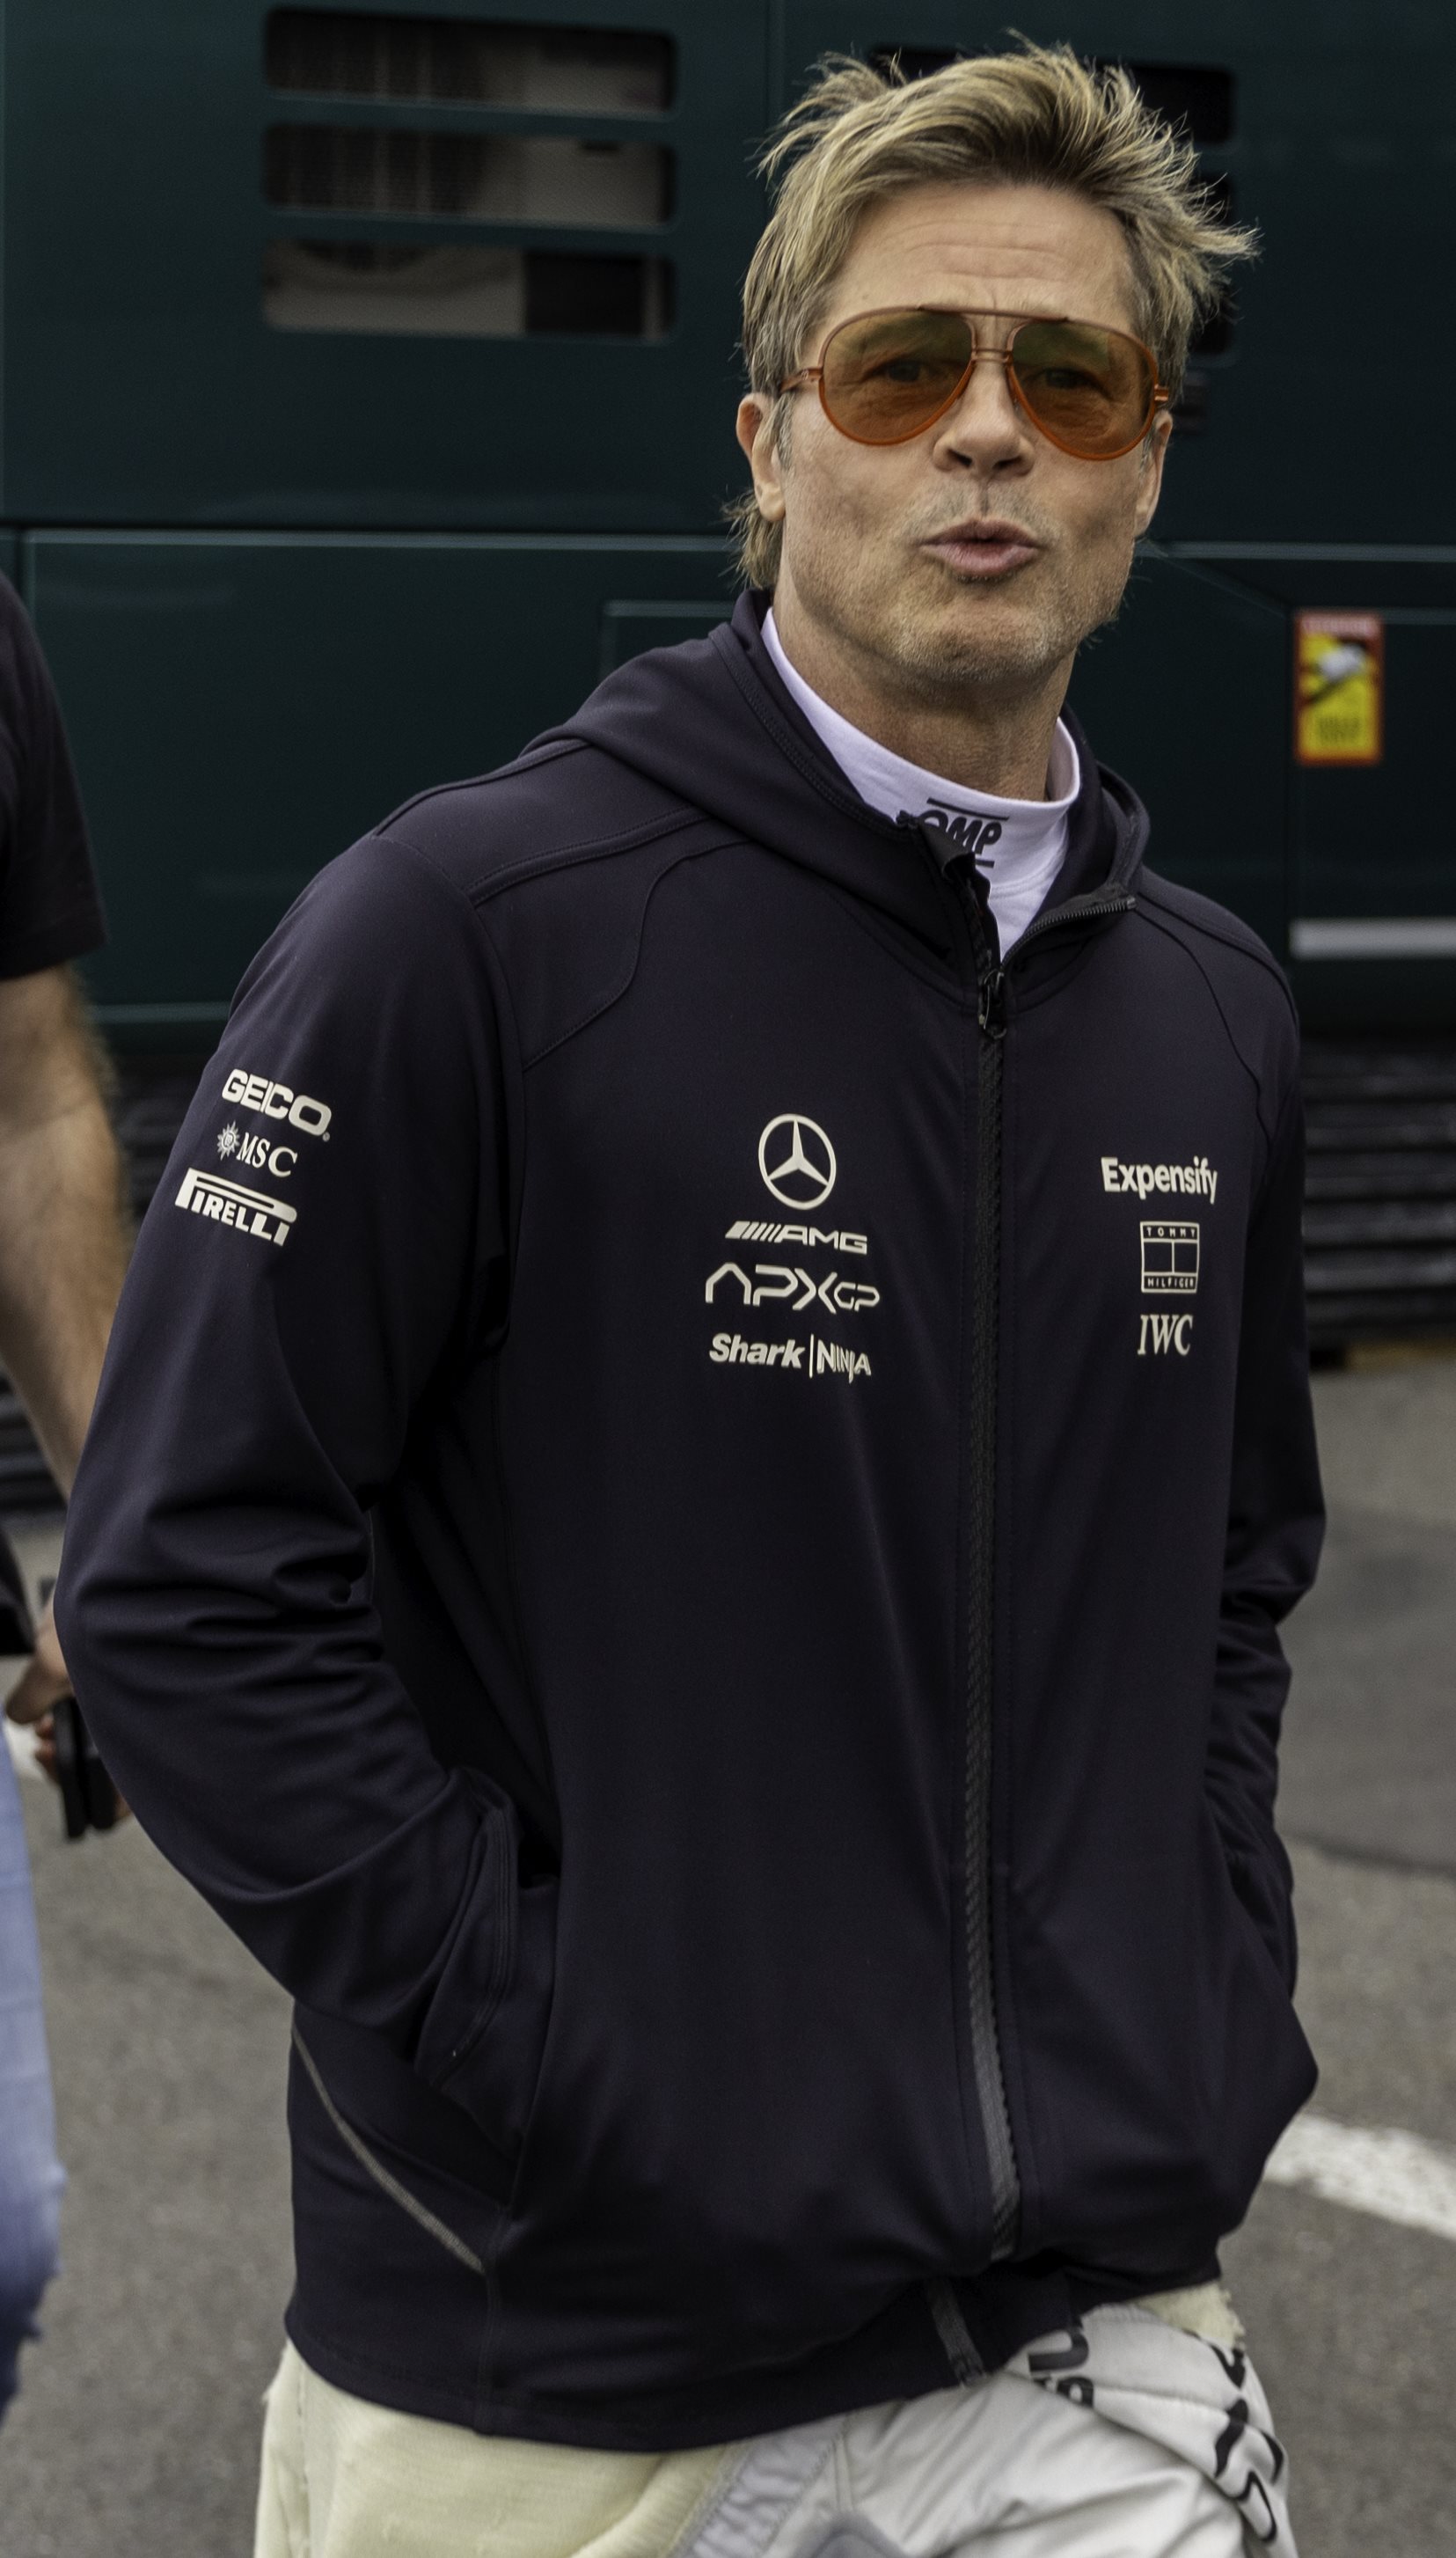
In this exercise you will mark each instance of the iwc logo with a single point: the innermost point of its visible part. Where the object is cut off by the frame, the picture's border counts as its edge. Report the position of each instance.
(797, 1161)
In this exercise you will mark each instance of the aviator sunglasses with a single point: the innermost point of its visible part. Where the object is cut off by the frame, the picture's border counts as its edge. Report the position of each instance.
(885, 375)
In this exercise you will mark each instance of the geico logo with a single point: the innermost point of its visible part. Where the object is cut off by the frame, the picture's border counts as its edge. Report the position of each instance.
(278, 1101)
(775, 1280)
(730, 1350)
(1162, 1333)
(751, 1230)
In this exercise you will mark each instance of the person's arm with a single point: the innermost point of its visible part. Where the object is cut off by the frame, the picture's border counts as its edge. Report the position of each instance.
(64, 1241)
(326, 1251)
(62, 1225)
(1276, 1527)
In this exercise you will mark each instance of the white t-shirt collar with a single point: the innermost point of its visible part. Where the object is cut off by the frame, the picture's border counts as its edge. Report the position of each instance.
(1017, 845)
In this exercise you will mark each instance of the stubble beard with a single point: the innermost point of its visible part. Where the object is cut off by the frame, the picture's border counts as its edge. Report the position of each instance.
(931, 638)
(983, 638)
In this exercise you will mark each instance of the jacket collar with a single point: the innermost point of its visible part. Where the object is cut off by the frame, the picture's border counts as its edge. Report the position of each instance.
(711, 722)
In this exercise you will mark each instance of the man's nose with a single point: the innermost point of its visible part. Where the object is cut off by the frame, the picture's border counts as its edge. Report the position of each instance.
(986, 431)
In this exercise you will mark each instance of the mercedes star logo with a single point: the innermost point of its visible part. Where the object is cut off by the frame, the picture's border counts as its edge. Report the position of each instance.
(799, 1163)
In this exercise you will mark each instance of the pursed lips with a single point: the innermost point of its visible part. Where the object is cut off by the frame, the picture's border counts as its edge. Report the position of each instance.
(987, 547)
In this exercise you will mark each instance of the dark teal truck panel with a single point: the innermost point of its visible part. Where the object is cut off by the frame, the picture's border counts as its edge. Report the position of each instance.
(173, 354)
(368, 378)
(243, 705)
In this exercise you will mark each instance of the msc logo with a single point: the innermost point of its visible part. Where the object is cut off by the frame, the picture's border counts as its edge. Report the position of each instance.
(1169, 1258)
(797, 1161)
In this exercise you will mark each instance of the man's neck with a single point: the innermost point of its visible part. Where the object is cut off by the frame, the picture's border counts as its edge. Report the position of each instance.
(982, 738)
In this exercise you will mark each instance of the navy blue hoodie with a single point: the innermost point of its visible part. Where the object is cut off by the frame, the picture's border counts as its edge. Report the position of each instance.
(684, 1532)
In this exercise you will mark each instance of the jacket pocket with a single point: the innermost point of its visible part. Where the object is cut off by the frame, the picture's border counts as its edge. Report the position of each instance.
(495, 2073)
(1259, 2069)
(484, 2030)
(1264, 1895)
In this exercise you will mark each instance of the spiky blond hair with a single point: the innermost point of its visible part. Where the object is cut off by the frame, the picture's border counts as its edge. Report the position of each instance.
(1037, 116)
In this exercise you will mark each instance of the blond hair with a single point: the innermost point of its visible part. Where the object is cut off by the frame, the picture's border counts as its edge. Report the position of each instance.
(1038, 116)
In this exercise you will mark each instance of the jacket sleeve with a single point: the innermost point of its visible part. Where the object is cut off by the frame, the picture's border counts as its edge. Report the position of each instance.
(1276, 1527)
(328, 1238)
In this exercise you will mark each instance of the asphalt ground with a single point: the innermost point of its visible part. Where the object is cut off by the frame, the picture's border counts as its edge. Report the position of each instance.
(136, 2432)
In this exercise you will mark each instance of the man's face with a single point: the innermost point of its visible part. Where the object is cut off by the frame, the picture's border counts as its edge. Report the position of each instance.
(873, 571)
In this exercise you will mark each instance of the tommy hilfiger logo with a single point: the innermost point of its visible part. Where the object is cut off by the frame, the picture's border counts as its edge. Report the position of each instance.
(1169, 1258)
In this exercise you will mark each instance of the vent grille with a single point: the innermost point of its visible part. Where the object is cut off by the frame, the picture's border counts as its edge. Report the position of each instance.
(383, 289)
(1379, 1217)
(468, 177)
(571, 180)
(463, 61)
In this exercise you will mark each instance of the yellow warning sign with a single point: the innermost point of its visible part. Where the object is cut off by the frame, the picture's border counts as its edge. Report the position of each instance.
(1339, 682)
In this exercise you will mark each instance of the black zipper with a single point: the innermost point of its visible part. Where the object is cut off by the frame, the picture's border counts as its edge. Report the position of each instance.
(986, 2054)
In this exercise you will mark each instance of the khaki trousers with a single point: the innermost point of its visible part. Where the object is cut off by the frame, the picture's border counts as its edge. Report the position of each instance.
(1158, 2447)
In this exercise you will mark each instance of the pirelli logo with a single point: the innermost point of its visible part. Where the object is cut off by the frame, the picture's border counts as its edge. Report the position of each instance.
(1169, 1258)
(229, 1203)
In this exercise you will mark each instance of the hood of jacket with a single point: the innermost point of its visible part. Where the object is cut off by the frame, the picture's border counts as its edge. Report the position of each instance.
(711, 722)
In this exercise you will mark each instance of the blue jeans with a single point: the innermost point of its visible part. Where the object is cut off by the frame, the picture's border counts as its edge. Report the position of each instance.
(30, 2177)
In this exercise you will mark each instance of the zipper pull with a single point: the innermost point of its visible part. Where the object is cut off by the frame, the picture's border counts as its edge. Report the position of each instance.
(992, 1010)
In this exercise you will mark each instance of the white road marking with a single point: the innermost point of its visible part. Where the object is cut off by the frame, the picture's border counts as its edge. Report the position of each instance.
(1397, 2176)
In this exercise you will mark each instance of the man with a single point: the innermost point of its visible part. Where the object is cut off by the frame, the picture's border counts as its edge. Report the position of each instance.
(685, 1528)
(63, 1249)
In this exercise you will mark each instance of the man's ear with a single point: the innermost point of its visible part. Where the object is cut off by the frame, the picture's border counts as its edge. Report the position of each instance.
(1154, 453)
(755, 435)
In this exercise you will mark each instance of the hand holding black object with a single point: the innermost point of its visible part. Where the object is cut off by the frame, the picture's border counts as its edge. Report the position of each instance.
(44, 1698)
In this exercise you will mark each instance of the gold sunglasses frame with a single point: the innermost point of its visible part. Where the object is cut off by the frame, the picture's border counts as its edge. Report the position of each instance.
(1158, 396)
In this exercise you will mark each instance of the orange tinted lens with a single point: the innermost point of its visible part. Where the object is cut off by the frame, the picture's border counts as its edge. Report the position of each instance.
(889, 374)
(1091, 389)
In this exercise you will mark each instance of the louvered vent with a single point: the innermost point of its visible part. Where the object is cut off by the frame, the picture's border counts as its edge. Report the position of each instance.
(375, 288)
(468, 177)
(465, 62)
(394, 172)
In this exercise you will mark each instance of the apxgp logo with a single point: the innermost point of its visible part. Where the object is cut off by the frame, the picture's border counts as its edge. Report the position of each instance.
(797, 1161)
(775, 1279)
